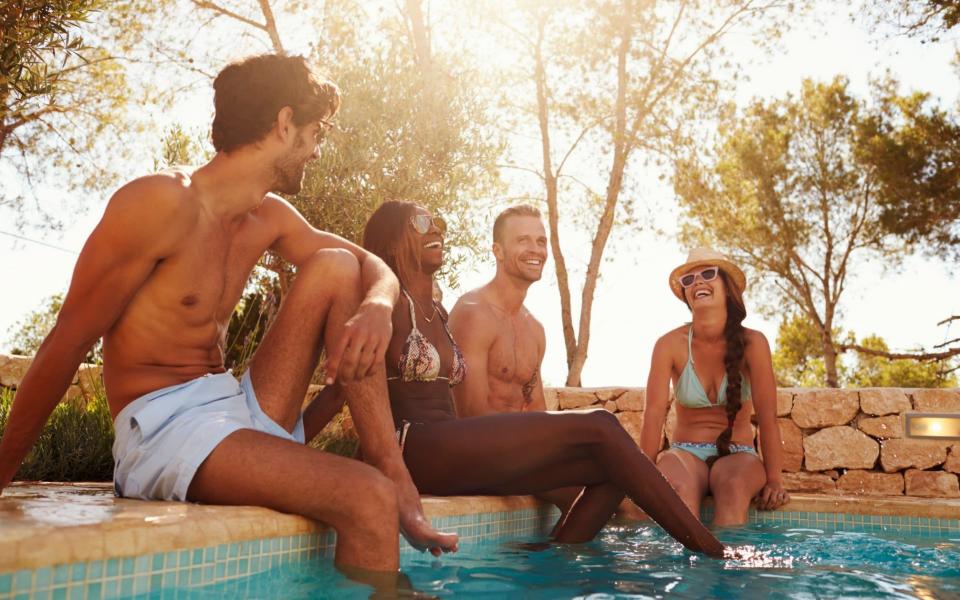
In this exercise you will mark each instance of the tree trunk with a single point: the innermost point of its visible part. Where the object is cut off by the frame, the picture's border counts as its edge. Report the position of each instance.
(550, 183)
(614, 185)
(421, 36)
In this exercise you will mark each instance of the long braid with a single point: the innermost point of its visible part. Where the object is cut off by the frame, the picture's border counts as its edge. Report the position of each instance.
(733, 361)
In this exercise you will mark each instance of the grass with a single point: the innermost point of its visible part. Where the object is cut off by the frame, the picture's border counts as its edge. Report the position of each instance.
(75, 444)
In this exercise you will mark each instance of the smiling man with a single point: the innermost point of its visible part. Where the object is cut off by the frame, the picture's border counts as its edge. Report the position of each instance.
(502, 342)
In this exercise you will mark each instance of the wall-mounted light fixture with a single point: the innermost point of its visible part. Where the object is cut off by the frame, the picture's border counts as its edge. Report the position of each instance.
(939, 426)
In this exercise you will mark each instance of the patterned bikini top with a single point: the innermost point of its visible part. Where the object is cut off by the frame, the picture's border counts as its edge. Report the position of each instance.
(420, 360)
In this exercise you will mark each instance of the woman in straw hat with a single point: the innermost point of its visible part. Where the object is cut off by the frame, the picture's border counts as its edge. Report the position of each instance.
(721, 372)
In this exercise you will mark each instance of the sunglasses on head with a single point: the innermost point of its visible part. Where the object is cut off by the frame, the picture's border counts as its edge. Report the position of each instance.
(708, 274)
(421, 223)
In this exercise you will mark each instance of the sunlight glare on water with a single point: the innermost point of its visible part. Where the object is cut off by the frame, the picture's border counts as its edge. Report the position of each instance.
(643, 562)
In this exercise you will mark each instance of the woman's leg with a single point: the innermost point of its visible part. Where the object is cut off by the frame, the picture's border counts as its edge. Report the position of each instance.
(734, 480)
(688, 475)
(526, 453)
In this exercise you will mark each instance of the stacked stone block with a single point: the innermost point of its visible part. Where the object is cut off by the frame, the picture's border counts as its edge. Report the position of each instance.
(834, 441)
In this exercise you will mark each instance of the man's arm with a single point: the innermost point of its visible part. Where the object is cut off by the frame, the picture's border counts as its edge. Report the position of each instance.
(116, 259)
(368, 332)
(474, 334)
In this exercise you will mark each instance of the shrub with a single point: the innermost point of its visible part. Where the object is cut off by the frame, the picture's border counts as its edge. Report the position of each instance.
(75, 444)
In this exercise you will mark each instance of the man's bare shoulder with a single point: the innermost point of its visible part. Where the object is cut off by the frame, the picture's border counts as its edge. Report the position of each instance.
(156, 208)
(474, 313)
(161, 196)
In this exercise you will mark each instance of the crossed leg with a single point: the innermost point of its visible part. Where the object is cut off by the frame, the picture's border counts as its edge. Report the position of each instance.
(528, 453)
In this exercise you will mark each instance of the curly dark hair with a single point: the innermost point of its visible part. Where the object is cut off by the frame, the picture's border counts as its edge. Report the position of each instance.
(248, 95)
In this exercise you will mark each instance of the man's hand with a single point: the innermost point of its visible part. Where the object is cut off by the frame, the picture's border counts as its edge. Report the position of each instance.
(366, 336)
(771, 496)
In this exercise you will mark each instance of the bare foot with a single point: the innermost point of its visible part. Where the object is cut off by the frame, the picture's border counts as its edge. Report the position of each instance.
(414, 525)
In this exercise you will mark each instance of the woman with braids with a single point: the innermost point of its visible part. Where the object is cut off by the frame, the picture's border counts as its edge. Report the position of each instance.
(721, 371)
(508, 453)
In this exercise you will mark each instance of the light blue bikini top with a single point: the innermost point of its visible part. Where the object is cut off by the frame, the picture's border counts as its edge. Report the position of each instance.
(690, 392)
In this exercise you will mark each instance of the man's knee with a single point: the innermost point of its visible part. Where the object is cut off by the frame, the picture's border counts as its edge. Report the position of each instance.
(334, 268)
(374, 502)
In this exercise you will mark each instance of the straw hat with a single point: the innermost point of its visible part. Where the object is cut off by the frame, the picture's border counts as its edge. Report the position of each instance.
(707, 257)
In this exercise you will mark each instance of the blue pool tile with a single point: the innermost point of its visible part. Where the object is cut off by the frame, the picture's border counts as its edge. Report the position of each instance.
(23, 580)
(232, 551)
(244, 566)
(156, 582)
(169, 580)
(126, 566)
(219, 571)
(158, 562)
(141, 565)
(126, 586)
(207, 573)
(209, 554)
(76, 592)
(94, 591)
(59, 593)
(195, 576)
(42, 580)
(61, 574)
(78, 571)
(6, 583)
(95, 569)
(110, 588)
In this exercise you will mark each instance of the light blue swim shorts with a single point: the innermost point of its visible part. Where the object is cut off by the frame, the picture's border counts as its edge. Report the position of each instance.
(705, 450)
(162, 438)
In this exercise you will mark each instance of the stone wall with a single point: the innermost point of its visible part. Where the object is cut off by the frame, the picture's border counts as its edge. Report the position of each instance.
(834, 441)
(86, 381)
(848, 441)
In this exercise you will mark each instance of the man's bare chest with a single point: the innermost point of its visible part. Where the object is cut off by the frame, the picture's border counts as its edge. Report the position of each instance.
(515, 354)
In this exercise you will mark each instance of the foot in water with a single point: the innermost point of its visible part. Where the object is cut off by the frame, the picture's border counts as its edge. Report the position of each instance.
(414, 525)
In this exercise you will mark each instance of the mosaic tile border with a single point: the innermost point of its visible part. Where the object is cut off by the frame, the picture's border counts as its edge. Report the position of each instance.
(196, 567)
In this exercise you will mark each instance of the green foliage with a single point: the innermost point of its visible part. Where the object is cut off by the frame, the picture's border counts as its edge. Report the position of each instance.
(75, 444)
(915, 150)
(58, 95)
(928, 19)
(788, 193)
(798, 361)
(29, 333)
(876, 371)
(403, 132)
(798, 358)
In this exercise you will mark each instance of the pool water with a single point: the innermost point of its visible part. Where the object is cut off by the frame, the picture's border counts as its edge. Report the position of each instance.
(643, 562)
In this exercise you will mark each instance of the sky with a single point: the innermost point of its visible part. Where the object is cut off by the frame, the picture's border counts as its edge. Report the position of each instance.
(634, 305)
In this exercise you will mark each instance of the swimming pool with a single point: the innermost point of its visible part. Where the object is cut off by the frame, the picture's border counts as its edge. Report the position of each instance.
(641, 561)
(65, 542)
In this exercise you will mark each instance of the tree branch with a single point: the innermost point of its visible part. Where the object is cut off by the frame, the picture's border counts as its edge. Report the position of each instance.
(918, 356)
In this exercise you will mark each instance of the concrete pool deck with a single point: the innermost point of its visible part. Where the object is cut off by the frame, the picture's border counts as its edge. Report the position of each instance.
(57, 523)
